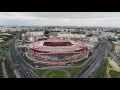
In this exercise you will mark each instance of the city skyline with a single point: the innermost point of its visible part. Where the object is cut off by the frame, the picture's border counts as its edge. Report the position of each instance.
(99, 19)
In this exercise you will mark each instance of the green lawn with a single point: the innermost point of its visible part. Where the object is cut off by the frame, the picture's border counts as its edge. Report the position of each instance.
(109, 55)
(97, 46)
(113, 46)
(56, 74)
(114, 74)
(1, 73)
(9, 69)
(79, 62)
(73, 71)
(39, 73)
(102, 73)
(21, 50)
(92, 74)
(3, 53)
(5, 49)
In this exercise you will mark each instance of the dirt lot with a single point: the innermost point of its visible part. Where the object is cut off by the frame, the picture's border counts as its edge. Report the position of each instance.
(112, 66)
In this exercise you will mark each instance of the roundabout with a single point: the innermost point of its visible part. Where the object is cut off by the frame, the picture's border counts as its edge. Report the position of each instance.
(56, 73)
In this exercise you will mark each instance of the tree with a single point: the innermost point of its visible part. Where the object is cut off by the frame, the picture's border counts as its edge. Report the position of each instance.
(90, 35)
(46, 32)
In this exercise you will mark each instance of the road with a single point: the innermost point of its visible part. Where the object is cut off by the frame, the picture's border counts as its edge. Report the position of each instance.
(20, 66)
(95, 62)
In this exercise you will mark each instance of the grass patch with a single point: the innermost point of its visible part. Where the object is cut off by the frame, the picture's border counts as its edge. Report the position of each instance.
(79, 62)
(109, 55)
(21, 50)
(1, 73)
(114, 74)
(39, 73)
(3, 53)
(110, 66)
(97, 46)
(9, 69)
(102, 73)
(5, 49)
(73, 71)
(110, 41)
(92, 74)
(56, 74)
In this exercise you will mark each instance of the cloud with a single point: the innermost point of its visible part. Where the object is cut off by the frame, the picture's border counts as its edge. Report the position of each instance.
(61, 18)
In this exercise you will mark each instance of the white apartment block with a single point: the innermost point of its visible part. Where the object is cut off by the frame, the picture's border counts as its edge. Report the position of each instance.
(108, 34)
(1, 40)
(117, 47)
(69, 35)
(2, 29)
(35, 33)
(5, 29)
(93, 39)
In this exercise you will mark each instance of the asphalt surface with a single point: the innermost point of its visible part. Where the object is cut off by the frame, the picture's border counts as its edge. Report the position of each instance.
(95, 62)
(20, 66)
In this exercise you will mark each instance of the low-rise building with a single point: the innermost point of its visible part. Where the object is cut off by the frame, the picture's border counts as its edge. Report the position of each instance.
(1, 40)
(31, 39)
(35, 33)
(89, 45)
(69, 35)
(117, 47)
(93, 39)
(108, 34)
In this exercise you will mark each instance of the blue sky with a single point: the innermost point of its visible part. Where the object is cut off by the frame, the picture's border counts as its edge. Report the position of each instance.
(109, 19)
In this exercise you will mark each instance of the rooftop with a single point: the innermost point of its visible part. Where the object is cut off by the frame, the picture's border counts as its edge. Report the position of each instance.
(116, 42)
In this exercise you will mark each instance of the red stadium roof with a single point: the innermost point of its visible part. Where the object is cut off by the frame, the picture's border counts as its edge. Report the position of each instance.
(57, 46)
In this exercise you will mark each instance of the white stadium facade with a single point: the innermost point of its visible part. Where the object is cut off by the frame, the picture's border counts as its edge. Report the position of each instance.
(57, 51)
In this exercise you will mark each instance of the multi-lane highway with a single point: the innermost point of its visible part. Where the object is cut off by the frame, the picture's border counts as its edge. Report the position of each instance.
(95, 62)
(20, 66)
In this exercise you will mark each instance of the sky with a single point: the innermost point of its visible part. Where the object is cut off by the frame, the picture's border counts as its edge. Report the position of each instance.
(102, 19)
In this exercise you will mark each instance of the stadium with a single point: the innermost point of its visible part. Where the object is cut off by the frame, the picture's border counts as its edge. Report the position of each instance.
(57, 51)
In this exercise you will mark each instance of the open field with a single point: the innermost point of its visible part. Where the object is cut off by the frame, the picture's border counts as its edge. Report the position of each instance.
(9, 69)
(103, 73)
(1, 73)
(114, 74)
(73, 71)
(56, 74)
(39, 72)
